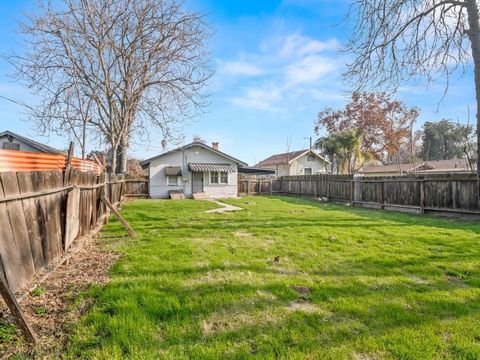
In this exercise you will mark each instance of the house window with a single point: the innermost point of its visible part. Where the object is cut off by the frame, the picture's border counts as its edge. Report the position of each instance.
(307, 171)
(219, 177)
(172, 180)
(224, 177)
(214, 177)
(10, 146)
(310, 157)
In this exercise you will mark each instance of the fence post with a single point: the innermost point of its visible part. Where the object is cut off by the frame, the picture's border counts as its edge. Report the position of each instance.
(271, 186)
(328, 190)
(299, 186)
(454, 194)
(422, 196)
(352, 192)
(382, 195)
(248, 186)
(69, 155)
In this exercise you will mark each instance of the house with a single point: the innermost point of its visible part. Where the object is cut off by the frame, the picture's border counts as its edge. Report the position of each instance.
(11, 141)
(197, 170)
(421, 167)
(302, 162)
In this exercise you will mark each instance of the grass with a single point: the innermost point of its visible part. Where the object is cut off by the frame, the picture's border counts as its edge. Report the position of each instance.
(38, 291)
(285, 278)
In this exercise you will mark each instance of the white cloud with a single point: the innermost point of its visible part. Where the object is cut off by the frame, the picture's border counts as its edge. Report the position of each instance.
(309, 69)
(259, 98)
(235, 68)
(303, 45)
(286, 72)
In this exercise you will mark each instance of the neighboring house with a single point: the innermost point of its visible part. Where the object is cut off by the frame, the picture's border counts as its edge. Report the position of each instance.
(421, 167)
(303, 162)
(195, 169)
(12, 141)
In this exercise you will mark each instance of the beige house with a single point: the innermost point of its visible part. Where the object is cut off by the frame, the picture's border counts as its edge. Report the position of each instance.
(421, 167)
(302, 162)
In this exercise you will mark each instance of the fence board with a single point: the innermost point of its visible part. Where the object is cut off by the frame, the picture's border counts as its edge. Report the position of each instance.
(72, 218)
(19, 226)
(9, 255)
(31, 217)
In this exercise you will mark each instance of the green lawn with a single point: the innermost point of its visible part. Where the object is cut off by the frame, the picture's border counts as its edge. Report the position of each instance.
(348, 284)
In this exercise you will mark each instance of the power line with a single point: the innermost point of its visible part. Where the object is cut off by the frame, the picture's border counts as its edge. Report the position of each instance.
(16, 102)
(147, 146)
(23, 72)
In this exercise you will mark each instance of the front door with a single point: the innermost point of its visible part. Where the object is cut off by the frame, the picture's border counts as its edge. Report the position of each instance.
(197, 182)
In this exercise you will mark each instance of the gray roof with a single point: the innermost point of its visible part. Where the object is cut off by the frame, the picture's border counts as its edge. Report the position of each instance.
(255, 170)
(41, 147)
(146, 162)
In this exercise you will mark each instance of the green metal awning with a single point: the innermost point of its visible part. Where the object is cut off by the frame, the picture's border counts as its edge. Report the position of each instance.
(200, 167)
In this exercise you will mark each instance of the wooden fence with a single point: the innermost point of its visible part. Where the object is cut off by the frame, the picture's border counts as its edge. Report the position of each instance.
(332, 187)
(136, 188)
(43, 212)
(447, 193)
(254, 187)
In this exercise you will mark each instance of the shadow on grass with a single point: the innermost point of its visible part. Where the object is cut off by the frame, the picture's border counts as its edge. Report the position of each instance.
(404, 218)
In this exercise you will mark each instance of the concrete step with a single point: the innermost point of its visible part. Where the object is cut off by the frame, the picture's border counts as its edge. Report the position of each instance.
(200, 195)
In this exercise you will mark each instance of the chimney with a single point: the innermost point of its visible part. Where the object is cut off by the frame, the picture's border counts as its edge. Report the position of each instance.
(215, 145)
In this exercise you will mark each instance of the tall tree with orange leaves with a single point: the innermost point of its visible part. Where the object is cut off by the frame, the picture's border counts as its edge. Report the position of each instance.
(384, 122)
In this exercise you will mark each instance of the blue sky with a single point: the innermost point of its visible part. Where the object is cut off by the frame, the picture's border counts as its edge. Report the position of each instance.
(277, 66)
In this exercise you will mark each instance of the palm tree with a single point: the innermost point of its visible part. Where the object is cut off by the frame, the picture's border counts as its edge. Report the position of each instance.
(344, 149)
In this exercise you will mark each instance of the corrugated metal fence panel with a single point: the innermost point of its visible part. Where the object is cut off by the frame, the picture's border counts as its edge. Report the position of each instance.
(14, 160)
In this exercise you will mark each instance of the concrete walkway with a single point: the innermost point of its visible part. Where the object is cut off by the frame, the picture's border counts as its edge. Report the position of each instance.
(224, 207)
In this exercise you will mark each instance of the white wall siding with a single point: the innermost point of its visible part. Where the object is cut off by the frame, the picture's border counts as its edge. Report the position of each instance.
(158, 180)
(223, 190)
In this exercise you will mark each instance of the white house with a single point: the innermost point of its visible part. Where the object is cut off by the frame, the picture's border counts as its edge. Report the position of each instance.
(196, 169)
(302, 162)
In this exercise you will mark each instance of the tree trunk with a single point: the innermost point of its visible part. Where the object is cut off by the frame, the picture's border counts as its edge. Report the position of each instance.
(122, 156)
(474, 35)
(113, 159)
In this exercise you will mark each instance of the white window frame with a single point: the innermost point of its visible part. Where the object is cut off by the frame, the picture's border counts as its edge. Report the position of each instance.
(218, 177)
(310, 158)
(176, 180)
(305, 171)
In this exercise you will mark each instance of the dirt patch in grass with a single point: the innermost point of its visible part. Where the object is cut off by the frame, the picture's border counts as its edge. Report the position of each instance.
(303, 306)
(241, 234)
(303, 290)
(224, 322)
(54, 306)
(365, 356)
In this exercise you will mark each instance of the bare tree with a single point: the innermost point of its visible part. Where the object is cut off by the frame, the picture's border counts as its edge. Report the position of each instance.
(393, 41)
(199, 139)
(116, 67)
